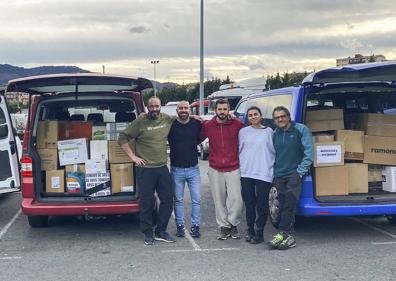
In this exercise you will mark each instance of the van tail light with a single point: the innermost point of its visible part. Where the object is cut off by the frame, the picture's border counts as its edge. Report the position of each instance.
(26, 166)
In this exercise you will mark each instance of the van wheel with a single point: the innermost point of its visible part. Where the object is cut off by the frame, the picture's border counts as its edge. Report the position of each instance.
(38, 221)
(203, 154)
(274, 209)
(391, 219)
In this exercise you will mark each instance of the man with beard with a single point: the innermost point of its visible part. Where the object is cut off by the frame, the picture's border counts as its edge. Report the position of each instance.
(224, 173)
(150, 133)
(183, 139)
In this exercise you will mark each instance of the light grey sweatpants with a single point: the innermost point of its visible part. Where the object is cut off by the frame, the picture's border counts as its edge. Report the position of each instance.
(226, 192)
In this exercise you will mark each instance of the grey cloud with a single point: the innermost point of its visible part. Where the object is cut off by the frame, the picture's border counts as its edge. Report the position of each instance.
(139, 29)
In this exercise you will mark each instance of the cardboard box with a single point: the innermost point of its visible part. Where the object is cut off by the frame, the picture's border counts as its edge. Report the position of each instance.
(380, 150)
(331, 181)
(325, 120)
(374, 173)
(55, 181)
(99, 150)
(116, 154)
(49, 159)
(374, 124)
(75, 130)
(98, 132)
(94, 166)
(47, 134)
(354, 143)
(358, 178)
(389, 179)
(72, 151)
(113, 130)
(328, 154)
(323, 138)
(93, 180)
(122, 178)
(75, 178)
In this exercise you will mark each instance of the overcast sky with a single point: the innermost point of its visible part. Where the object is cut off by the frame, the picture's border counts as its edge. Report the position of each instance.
(243, 38)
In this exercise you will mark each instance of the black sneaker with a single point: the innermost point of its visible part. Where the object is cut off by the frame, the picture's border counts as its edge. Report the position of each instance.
(180, 230)
(148, 239)
(234, 232)
(164, 237)
(195, 231)
(249, 234)
(224, 233)
(287, 243)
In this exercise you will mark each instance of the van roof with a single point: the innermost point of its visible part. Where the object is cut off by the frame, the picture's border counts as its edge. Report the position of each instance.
(77, 82)
(365, 72)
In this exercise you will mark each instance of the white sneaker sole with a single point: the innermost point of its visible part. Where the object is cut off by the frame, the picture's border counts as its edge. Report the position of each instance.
(163, 240)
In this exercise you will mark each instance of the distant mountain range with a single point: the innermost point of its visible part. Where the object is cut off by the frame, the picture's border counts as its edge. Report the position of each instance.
(8, 72)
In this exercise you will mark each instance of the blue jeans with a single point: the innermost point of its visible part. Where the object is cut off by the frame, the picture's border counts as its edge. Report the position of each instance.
(191, 176)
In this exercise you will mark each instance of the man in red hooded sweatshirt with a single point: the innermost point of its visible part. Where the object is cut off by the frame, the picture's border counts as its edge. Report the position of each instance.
(224, 173)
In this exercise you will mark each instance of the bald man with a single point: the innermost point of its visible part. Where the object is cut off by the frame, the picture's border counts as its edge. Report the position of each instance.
(183, 139)
(150, 133)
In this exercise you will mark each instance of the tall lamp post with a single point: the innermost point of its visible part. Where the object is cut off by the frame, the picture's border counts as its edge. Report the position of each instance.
(155, 62)
(201, 62)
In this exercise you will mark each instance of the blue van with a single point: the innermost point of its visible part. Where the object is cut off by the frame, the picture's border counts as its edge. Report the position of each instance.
(361, 88)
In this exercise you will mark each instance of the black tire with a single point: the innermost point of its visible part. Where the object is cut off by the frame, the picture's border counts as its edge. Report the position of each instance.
(203, 154)
(391, 219)
(273, 203)
(38, 221)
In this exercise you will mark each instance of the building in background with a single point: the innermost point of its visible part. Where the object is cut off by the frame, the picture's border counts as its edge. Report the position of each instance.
(358, 58)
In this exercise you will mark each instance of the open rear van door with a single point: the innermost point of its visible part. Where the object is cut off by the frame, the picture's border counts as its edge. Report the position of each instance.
(9, 164)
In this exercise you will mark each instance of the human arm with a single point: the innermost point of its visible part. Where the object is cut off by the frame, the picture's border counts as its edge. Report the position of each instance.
(137, 160)
(308, 150)
(125, 136)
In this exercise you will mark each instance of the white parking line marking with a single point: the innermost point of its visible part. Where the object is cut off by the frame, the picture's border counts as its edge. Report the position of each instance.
(201, 250)
(383, 243)
(375, 228)
(10, 258)
(8, 225)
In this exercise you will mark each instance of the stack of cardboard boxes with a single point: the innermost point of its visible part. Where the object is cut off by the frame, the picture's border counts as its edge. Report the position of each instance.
(348, 161)
(76, 157)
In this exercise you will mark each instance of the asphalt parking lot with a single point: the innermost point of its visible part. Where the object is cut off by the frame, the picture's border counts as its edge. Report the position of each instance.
(111, 248)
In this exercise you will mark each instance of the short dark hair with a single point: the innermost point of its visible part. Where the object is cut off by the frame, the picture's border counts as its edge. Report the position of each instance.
(281, 108)
(222, 101)
(254, 108)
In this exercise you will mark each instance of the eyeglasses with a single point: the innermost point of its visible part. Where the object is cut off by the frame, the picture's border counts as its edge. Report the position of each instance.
(280, 117)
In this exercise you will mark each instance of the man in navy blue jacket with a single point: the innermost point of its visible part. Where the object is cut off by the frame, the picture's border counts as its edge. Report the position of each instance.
(293, 158)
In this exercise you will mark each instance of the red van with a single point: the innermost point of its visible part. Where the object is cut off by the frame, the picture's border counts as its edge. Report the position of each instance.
(82, 101)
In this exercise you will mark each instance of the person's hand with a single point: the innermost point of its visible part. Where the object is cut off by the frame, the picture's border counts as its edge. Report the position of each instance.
(231, 116)
(197, 117)
(142, 114)
(138, 161)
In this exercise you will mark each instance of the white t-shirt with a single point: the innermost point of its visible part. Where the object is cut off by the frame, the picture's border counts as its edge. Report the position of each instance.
(256, 153)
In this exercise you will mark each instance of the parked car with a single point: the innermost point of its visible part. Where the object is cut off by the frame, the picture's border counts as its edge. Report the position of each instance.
(72, 100)
(365, 94)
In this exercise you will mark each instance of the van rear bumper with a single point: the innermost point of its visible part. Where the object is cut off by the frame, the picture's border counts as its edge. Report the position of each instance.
(31, 207)
(310, 208)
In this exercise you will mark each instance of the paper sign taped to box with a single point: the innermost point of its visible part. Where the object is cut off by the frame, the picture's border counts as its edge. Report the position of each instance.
(329, 154)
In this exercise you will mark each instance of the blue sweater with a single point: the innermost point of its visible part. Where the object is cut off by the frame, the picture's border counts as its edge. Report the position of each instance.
(293, 150)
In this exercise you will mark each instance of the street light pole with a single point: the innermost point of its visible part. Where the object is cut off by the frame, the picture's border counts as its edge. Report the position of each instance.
(201, 65)
(155, 62)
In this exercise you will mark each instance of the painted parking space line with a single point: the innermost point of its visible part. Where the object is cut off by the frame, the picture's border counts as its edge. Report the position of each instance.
(4, 230)
(377, 229)
(194, 244)
(10, 258)
(201, 250)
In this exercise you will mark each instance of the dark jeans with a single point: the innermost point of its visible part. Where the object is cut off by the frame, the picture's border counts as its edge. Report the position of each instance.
(289, 189)
(255, 195)
(150, 180)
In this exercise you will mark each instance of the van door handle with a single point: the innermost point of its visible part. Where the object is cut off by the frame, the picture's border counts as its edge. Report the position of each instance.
(12, 147)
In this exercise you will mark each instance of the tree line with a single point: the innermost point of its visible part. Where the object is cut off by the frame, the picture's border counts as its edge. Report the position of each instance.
(190, 92)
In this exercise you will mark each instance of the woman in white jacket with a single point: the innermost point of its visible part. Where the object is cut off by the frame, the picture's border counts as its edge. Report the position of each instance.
(256, 157)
